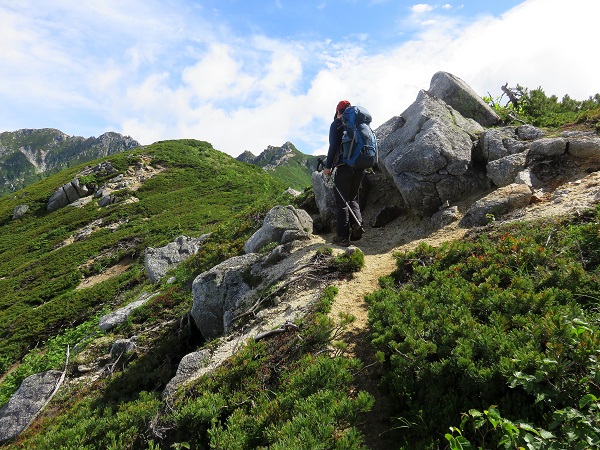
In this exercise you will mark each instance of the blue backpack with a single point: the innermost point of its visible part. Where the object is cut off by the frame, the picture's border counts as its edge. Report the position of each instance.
(359, 143)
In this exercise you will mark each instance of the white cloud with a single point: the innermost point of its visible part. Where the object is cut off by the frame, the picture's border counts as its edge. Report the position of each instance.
(421, 8)
(156, 75)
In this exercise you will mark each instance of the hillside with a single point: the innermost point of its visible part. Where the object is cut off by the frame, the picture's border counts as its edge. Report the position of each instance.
(286, 163)
(29, 155)
(198, 189)
(422, 326)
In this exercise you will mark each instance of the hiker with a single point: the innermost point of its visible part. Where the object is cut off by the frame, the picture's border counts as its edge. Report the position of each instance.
(347, 182)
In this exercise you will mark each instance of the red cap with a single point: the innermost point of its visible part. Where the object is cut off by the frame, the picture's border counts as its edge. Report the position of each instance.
(342, 106)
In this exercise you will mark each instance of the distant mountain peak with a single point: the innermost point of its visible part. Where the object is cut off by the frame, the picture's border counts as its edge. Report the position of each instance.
(28, 154)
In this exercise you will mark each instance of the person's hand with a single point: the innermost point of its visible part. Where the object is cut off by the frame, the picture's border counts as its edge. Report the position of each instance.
(327, 172)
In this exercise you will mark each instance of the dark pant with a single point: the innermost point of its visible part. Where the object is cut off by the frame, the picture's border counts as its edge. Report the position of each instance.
(347, 181)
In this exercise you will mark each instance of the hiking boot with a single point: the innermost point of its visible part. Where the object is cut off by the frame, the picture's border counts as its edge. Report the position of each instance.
(344, 242)
(356, 233)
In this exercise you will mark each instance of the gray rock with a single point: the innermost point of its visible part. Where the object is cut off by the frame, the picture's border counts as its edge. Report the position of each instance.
(188, 366)
(111, 320)
(81, 189)
(528, 178)
(529, 132)
(158, 261)
(294, 235)
(108, 200)
(219, 292)
(503, 171)
(548, 147)
(20, 211)
(429, 157)
(277, 221)
(121, 347)
(585, 147)
(26, 403)
(445, 216)
(57, 200)
(458, 94)
(66, 194)
(498, 143)
(325, 199)
(495, 204)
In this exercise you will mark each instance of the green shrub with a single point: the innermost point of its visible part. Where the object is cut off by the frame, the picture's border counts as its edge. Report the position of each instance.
(350, 262)
(502, 319)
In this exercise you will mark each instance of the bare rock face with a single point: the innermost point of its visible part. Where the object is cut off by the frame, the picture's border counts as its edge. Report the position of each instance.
(26, 403)
(460, 96)
(428, 154)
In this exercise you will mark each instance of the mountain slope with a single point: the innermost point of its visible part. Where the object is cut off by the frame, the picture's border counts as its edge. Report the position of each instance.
(41, 265)
(31, 154)
(286, 163)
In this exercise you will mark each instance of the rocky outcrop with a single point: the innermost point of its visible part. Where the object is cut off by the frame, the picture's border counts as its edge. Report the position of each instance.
(68, 193)
(75, 193)
(427, 153)
(222, 293)
(27, 403)
(158, 261)
(278, 221)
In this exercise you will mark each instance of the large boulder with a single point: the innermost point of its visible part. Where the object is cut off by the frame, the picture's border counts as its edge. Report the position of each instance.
(460, 96)
(158, 261)
(220, 292)
(427, 152)
(277, 221)
(26, 403)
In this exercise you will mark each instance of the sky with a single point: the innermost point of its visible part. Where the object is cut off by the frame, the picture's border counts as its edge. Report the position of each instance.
(246, 74)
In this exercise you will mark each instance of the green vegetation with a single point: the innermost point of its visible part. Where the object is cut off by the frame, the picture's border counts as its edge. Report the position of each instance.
(505, 323)
(286, 392)
(295, 172)
(535, 107)
(201, 191)
(491, 342)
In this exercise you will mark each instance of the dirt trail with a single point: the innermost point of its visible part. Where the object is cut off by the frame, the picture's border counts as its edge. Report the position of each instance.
(379, 246)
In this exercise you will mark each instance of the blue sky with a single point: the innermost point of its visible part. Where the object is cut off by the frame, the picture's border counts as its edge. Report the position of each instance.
(247, 74)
